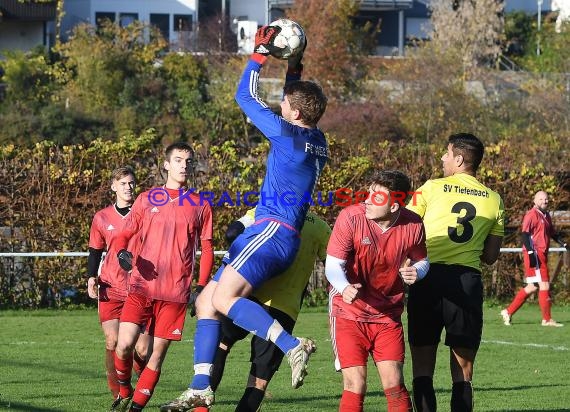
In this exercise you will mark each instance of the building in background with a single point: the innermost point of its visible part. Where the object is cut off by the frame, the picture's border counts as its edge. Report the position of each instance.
(26, 25)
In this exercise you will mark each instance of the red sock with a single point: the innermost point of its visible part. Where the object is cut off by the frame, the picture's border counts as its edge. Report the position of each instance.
(112, 379)
(544, 303)
(145, 386)
(138, 363)
(517, 302)
(351, 402)
(123, 368)
(201, 409)
(398, 399)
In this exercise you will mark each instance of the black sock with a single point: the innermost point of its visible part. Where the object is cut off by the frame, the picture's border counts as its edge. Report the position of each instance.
(251, 400)
(462, 397)
(424, 394)
(135, 407)
(218, 368)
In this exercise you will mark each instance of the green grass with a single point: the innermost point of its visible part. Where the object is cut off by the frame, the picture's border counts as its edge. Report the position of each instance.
(53, 361)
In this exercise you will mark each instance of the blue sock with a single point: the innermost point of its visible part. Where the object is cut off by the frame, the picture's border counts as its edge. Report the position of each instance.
(252, 317)
(206, 341)
(286, 342)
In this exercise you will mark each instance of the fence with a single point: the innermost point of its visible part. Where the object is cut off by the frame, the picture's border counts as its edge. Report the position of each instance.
(29, 280)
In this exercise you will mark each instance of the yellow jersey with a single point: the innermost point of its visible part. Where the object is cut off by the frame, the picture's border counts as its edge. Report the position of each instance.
(458, 213)
(285, 291)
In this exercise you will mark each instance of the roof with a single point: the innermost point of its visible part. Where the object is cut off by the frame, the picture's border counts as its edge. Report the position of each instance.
(27, 10)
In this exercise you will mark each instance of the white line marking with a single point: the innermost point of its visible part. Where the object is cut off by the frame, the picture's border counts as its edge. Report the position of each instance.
(531, 345)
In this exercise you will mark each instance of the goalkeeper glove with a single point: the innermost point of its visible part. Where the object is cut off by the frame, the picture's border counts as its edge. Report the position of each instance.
(264, 40)
(294, 62)
(125, 259)
(532, 259)
(193, 296)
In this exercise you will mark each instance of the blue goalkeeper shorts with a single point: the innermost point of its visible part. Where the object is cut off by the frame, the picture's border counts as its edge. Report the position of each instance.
(264, 250)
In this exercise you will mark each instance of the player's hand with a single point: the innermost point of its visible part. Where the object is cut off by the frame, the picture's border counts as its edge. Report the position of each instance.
(264, 40)
(125, 259)
(350, 292)
(93, 287)
(532, 259)
(294, 62)
(193, 296)
(409, 274)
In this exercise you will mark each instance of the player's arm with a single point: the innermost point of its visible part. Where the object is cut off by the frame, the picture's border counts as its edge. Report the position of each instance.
(133, 224)
(237, 227)
(558, 239)
(418, 265)
(96, 248)
(207, 247)
(247, 96)
(339, 249)
(295, 65)
(492, 249)
(415, 271)
(492, 245)
(93, 262)
(335, 272)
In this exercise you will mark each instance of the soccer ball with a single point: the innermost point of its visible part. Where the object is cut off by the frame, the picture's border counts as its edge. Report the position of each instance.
(290, 40)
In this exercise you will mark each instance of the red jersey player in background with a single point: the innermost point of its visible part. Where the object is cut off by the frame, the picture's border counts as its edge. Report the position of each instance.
(367, 249)
(169, 221)
(110, 287)
(537, 229)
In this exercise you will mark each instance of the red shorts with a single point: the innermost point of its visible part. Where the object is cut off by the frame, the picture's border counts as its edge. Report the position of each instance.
(159, 318)
(354, 341)
(110, 309)
(539, 274)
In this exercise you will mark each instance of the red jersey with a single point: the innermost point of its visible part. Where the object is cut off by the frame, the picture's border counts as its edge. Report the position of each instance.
(107, 225)
(539, 226)
(169, 236)
(373, 257)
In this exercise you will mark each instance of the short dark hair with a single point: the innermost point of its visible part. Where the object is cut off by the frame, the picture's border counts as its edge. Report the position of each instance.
(393, 180)
(121, 172)
(182, 146)
(307, 97)
(470, 147)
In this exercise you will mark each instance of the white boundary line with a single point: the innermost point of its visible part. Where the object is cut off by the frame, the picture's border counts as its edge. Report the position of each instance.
(530, 345)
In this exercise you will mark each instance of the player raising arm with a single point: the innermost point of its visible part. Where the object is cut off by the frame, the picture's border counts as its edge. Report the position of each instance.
(297, 155)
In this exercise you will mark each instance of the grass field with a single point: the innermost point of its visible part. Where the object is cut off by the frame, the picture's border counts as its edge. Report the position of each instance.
(53, 361)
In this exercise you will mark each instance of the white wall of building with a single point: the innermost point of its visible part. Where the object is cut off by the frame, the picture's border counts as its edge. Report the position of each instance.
(21, 35)
(77, 11)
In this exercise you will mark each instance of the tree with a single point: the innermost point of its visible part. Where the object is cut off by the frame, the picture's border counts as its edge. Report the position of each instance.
(473, 29)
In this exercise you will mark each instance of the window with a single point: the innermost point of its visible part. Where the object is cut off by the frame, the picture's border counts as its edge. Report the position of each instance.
(182, 22)
(100, 17)
(127, 18)
(162, 22)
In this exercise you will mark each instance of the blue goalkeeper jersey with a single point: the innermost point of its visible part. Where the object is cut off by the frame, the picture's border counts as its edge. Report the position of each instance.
(296, 157)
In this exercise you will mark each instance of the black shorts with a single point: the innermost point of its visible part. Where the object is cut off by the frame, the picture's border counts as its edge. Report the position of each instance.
(265, 356)
(450, 297)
